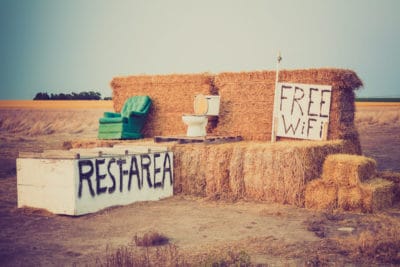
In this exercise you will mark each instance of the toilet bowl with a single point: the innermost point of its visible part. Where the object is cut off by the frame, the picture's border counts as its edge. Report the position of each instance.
(204, 106)
(196, 125)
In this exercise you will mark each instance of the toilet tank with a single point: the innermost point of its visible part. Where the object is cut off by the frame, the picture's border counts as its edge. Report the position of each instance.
(213, 105)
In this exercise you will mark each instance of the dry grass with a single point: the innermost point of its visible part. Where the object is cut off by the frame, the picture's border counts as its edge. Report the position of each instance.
(151, 238)
(59, 104)
(381, 241)
(35, 122)
(377, 114)
(126, 256)
(169, 255)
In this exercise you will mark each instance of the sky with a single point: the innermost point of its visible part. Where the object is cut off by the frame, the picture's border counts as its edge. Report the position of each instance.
(64, 46)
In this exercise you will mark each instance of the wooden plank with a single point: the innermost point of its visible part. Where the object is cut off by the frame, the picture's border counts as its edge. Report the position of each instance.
(199, 139)
(274, 129)
(325, 131)
(135, 149)
(50, 154)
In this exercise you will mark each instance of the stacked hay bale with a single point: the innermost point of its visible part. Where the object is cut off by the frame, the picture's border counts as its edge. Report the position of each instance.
(247, 101)
(172, 96)
(349, 183)
(275, 172)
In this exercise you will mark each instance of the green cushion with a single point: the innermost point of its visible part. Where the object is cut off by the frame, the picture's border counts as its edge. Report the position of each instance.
(113, 120)
(136, 103)
(128, 123)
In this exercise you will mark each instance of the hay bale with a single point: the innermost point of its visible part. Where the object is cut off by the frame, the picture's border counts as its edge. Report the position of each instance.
(350, 198)
(348, 170)
(321, 195)
(395, 178)
(189, 171)
(377, 194)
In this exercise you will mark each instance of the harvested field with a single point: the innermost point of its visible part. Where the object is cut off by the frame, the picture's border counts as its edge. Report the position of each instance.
(378, 125)
(269, 233)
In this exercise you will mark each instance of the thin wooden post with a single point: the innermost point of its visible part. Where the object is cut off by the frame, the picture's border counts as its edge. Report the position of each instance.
(274, 118)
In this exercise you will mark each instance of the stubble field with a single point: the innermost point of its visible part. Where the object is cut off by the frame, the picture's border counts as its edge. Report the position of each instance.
(199, 230)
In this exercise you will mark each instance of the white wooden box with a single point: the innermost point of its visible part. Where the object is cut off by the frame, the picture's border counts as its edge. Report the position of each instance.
(83, 181)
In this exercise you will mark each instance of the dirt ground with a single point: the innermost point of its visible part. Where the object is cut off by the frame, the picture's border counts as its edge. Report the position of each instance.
(271, 234)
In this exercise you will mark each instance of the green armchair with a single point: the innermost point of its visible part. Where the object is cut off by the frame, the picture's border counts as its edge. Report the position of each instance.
(127, 124)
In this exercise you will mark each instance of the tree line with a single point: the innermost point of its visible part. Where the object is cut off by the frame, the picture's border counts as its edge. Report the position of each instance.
(91, 95)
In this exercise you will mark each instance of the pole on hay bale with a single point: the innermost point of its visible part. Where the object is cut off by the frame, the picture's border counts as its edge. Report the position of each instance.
(274, 119)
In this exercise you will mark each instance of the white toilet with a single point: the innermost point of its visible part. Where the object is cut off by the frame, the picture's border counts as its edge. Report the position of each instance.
(204, 106)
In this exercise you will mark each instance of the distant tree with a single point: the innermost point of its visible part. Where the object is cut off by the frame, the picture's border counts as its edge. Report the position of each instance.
(41, 96)
(92, 95)
(107, 98)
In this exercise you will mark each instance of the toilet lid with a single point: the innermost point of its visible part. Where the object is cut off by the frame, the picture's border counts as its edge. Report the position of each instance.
(200, 104)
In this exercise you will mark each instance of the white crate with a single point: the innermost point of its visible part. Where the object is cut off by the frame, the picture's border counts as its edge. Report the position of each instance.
(76, 183)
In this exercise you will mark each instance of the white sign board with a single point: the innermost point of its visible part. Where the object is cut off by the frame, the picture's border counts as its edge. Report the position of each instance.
(302, 110)
(89, 184)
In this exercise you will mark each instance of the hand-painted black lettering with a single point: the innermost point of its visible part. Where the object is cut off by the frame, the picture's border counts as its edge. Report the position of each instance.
(100, 176)
(310, 97)
(85, 176)
(323, 102)
(309, 125)
(297, 98)
(156, 170)
(287, 128)
(167, 169)
(283, 97)
(134, 171)
(121, 163)
(112, 188)
(145, 161)
(321, 128)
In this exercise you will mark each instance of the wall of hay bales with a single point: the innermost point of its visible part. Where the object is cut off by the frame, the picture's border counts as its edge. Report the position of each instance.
(246, 100)
(172, 96)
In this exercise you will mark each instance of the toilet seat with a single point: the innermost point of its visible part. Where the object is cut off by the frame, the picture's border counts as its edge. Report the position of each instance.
(200, 105)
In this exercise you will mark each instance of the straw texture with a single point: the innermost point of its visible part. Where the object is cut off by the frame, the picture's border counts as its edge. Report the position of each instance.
(348, 170)
(172, 96)
(358, 187)
(275, 172)
(246, 100)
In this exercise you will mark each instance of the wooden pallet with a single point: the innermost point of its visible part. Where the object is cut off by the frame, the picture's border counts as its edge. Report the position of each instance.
(199, 139)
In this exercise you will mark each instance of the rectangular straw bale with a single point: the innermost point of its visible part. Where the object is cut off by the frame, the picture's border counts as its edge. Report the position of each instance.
(247, 100)
(321, 195)
(236, 168)
(171, 95)
(350, 198)
(395, 178)
(377, 194)
(218, 173)
(348, 170)
(257, 173)
(189, 171)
